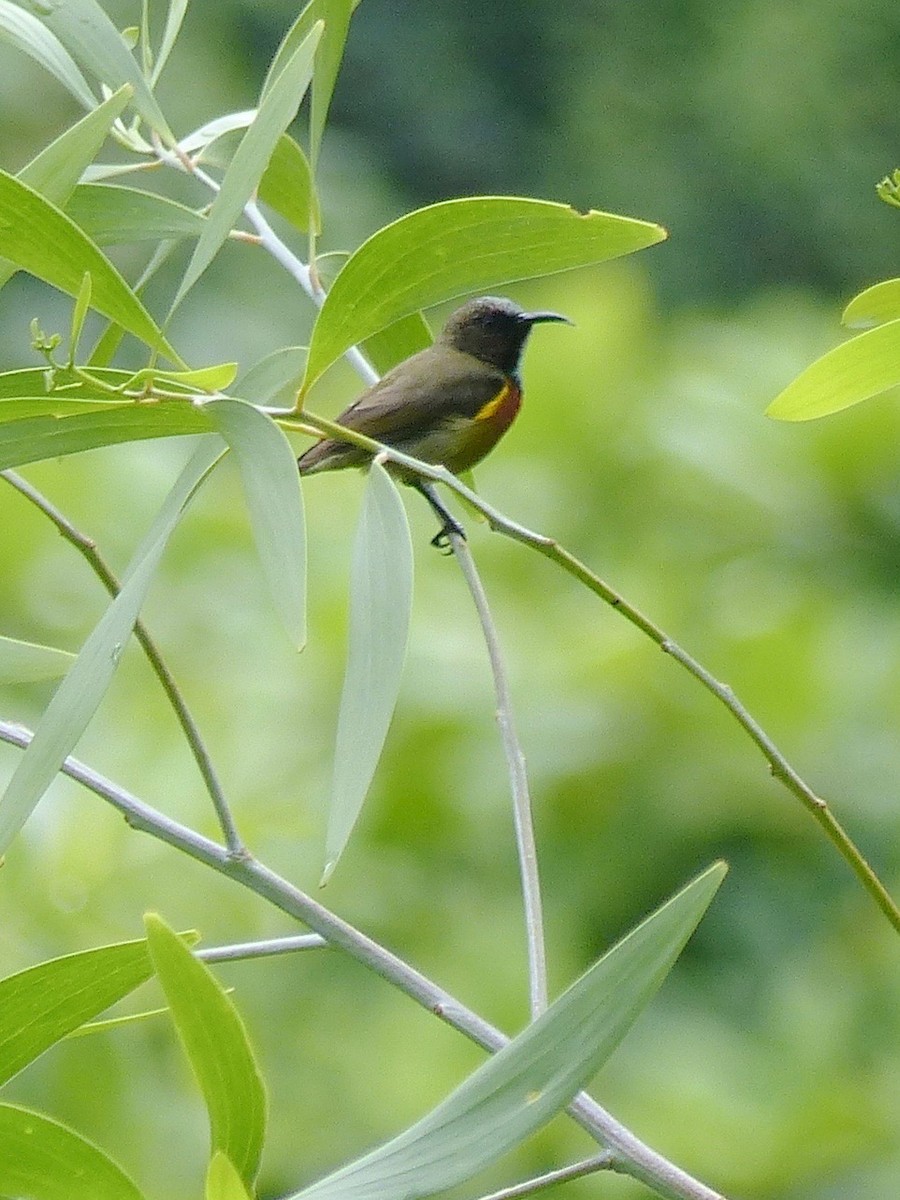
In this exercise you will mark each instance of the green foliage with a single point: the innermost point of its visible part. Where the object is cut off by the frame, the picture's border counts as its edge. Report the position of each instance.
(628, 453)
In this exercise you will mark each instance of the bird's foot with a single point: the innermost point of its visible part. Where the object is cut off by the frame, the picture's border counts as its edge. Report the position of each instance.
(441, 540)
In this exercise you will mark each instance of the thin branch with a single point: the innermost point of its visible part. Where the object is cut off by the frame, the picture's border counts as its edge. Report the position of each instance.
(518, 779)
(87, 548)
(780, 767)
(266, 948)
(587, 1166)
(630, 1155)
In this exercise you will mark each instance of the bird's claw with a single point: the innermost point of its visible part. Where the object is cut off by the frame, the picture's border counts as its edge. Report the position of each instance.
(441, 540)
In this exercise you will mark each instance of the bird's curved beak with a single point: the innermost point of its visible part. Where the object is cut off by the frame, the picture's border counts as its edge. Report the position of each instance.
(535, 318)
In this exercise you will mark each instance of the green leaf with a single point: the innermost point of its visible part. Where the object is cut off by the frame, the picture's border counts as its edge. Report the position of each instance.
(392, 345)
(223, 1181)
(536, 1074)
(43, 1160)
(380, 605)
(93, 41)
(271, 482)
(78, 696)
(200, 138)
(43, 1004)
(275, 113)
(37, 438)
(861, 368)
(27, 33)
(56, 170)
(110, 214)
(79, 312)
(335, 14)
(873, 306)
(287, 185)
(204, 379)
(275, 378)
(457, 247)
(26, 662)
(40, 239)
(215, 1042)
(174, 18)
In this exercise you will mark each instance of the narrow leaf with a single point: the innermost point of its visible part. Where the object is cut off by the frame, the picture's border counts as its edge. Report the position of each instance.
(174, 18)
(287, 185)
(26, 662)
(457, 247)
(43, 1004)
(37, 438)
(79, 312)
(200, 138)
(275, 378)
(271, 482)
(275, 113)
(56, 170)
(536, 1074)
(380, 605)
(43, 1160)
(858, 369)
(336, 15)
(27, 33)
(222, 1180)
(110, 215)
(873, 306)
(215, 1042)
(40, 239)
(93, 41)
(78, 696)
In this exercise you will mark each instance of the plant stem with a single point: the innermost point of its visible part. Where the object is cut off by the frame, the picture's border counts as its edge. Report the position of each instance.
(780, 767)
(518, 779)
(587, 1166)
(629, 1155)
(266, 948)
(87, 548)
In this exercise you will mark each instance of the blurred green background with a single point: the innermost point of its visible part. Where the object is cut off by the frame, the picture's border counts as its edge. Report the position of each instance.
(768, 1065)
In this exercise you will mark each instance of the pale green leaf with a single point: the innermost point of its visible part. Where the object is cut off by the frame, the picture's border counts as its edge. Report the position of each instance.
(275, 113)
(274, 379)
(27, 662)
(200, 138)
(217, 1047)
(536, 1075)
(222, 1180)
(457, 247)
(271, 481)
(79, 312)
(43, 1160)
(78, 696)
(37, 237)
(174, 18)
(109, 215)
(381, 580)
(56, 170)
(43, 1004)
(874, 306)
(858, 369)
(27, 33)
(336, 16)
(41, 437)
(287, 185)
(93, 41)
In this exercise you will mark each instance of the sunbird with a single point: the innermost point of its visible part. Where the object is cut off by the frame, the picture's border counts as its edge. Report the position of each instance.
(448, 405)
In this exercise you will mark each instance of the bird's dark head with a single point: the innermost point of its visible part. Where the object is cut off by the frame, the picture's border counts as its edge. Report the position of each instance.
(493, 330)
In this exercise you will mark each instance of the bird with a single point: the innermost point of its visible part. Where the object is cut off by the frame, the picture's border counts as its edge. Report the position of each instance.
(447, 405)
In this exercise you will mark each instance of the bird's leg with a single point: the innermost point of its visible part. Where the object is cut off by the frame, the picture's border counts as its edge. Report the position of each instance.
(449, 524)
